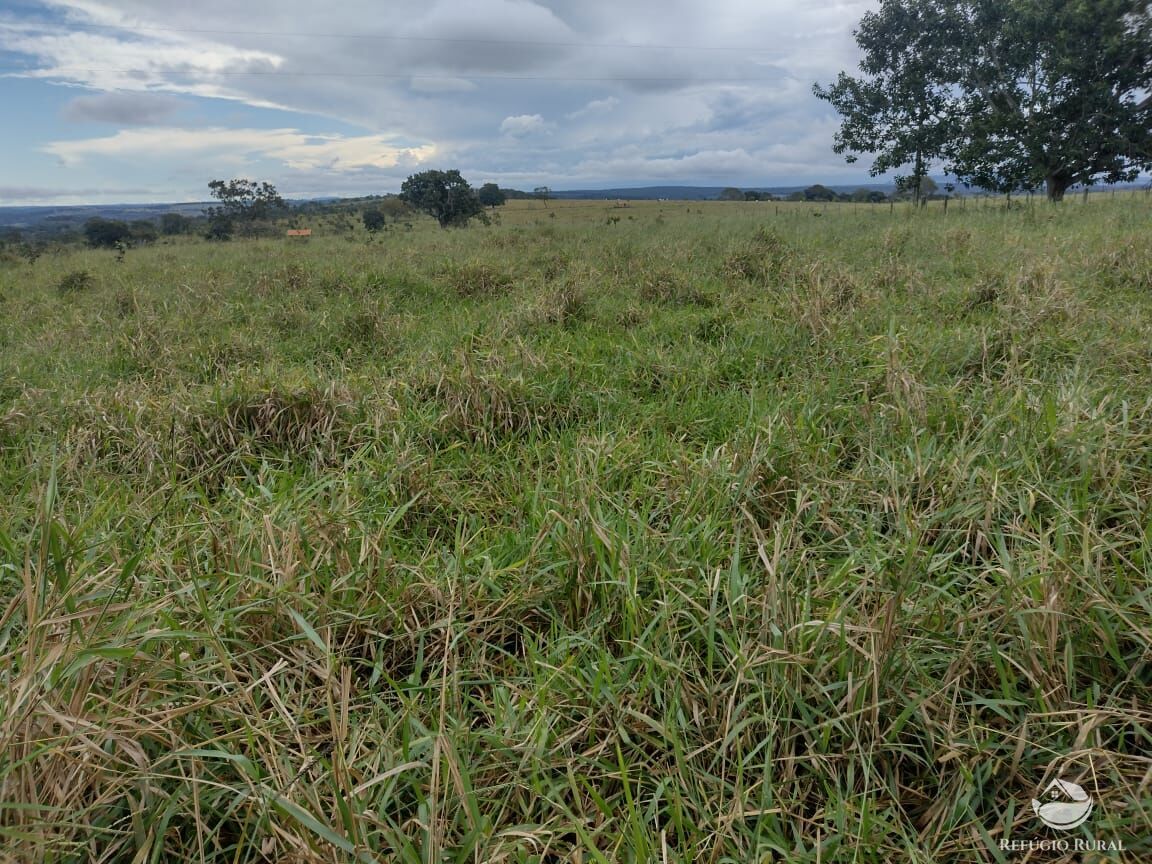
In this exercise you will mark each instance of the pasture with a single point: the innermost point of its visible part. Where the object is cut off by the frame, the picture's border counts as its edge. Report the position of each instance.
(675, 532)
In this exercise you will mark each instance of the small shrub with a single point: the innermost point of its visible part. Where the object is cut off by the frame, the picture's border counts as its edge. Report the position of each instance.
(983, 296)
(478, 280)
(220, 228)
(669, 287)
(75, 282)
(565, 305)
(289, 320)
(368, 329)
(957, 243)
(896, 242)
(292, 279)
(220, 360)
(765, 259)
(630, 317)
(714, 329)
(551, 266)
(31, 252)
(1126, 266)
(126, 303)
(285, 424)
(482, 403)
(820, 294)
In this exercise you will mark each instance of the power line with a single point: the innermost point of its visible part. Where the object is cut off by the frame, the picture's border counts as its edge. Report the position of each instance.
(396, 38)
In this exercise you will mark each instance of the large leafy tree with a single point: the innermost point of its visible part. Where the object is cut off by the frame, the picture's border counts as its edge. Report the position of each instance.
(1010, 94)
(444, 195)
(903, 108)
(1054, 94)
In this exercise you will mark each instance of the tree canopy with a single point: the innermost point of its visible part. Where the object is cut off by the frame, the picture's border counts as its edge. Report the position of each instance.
(492, 195)
(444, 195)
(174, 223)
(374, 219)
(1010, 95)
(245, 200)
(918, 189)
(106, 233)
(902, 109)
(819, 192)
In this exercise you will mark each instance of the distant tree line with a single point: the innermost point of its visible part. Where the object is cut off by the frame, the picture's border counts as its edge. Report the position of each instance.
(111, 233)
(928, 189)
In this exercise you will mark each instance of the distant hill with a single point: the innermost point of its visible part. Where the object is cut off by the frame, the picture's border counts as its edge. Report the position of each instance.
(698, 193)
(70, 216)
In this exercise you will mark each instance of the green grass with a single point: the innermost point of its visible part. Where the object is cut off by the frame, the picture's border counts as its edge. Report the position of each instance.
(668, 533)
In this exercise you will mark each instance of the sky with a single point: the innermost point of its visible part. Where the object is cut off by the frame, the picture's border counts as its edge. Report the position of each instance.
(133, 101)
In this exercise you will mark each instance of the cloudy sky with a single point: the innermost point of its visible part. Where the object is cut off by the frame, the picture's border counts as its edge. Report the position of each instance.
(147, 100)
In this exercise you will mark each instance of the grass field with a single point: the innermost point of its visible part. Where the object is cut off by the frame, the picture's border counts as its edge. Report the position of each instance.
(661, 533)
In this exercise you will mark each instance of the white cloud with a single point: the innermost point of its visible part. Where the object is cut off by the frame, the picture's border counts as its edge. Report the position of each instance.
(644, 91)
(716, 164)
(596, 106)
(523, 124)
(297, 150)
(161, 61)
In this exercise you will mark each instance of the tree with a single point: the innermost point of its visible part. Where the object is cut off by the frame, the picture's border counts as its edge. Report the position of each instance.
(730, 193)
(219, 228)
(543, 193)
(1012, 94)
(174, 223)
(106, 233)
(903, 109)
(394, 206)
(492, 196)
(374, 219)
(907, 187)
(1056, 94)
(143, 231)
(819, 192)
(443, 195)
(245, 200)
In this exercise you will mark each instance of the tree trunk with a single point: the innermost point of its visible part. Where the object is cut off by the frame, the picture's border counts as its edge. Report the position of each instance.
(919, 176)
(1056, 185)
